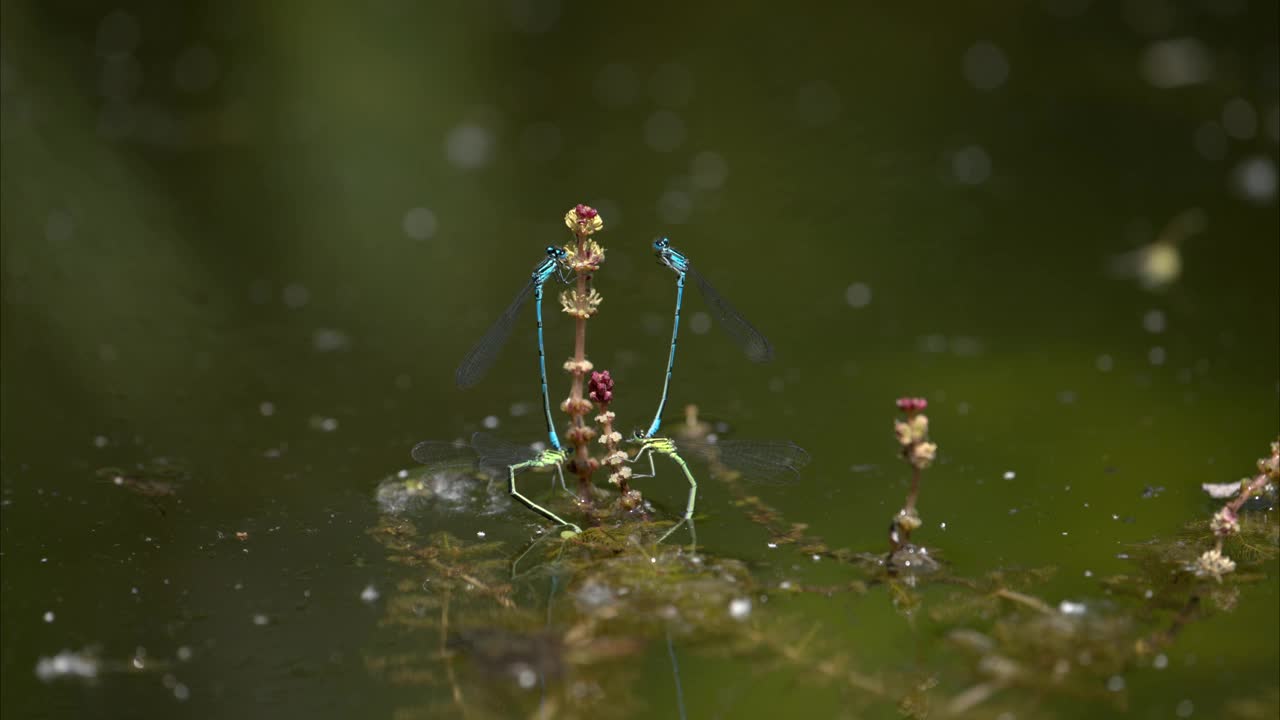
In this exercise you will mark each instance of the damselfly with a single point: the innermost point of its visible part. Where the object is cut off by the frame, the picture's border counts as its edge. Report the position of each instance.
(480, 358)
(730, 320)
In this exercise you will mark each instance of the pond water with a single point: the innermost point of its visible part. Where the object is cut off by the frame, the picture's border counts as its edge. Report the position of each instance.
(244, 249)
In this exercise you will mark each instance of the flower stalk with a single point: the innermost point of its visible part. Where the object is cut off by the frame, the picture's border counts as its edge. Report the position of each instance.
(1226, 522)
(912, 434)
(584, 256)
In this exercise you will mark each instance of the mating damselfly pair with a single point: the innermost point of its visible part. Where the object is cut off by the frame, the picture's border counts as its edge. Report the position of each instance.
(769, 461)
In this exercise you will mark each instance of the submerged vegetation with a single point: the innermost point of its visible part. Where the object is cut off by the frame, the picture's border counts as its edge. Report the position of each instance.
(554, 628)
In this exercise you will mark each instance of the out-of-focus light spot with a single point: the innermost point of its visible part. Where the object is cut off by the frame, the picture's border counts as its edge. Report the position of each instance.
(329, 340)
(617, 85)
(700, 323)
(490, 422)
(196, 69)
(971, 165)
(1153, 322)
(817, 104)
(121, 77)
(1185, 709)
(1239, 119)
(664, 131)
(708, 171)
(266, 408)
(985, 66)
(1176, 63)
(518, 409)
(535, 16)
(671, 85)
(1211, 141)
(59, 226)
(1255, 179)
(540, 142)
(118, 34)
(858, 295)
(740, 608)
(469, 147)
(370, 594)
(1104, 363)
(1156, 356)
(296, 295)
(675, 206)
(419, 223)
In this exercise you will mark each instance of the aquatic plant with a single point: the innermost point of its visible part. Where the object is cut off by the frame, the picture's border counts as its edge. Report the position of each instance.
(1214, 563)
(916, 449)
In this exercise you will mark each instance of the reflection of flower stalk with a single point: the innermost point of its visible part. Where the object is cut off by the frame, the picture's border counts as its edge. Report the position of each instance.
(913, 438)
(1226, 522)
(584, 258)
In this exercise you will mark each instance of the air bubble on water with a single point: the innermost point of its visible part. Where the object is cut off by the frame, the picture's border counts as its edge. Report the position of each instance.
(370, 594)
(740, 608)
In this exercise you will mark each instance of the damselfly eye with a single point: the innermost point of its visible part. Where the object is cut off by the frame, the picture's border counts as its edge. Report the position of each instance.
(661, 244)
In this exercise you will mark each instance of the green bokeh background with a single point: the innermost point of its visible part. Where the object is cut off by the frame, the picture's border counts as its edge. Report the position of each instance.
(160, 233)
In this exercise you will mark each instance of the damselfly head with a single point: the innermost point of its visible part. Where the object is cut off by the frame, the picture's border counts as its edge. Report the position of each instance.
(556, 253)
(637, 435)
(661, 244)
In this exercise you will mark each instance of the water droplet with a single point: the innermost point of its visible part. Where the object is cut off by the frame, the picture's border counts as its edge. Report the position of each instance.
(740, 608)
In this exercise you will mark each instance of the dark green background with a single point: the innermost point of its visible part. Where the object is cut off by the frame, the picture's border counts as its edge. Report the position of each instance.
(145, 272)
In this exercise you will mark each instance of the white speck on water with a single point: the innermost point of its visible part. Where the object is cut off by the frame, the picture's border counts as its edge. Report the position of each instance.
(48, 616)
(740, 608)
(985, 66)
(1115, 683)
(653, 560)
(100, 441)
(323, 424)
(66, 663)
(858, 295)
(772, 545)
(1156, 355)
(469, 147)
(1153, 322)
(184, 653)
(525, 676)
(480, 533)
(815, 558)
(942, 526)
(784, 585)
(1064, 533)
(296, 295)
(1066, 607)
(1185, 708)
(260, 619)
(267, 408)
(490, 422)
(44, 559)
(1088, 573)
(139, 663)
(1160, 661)
(1009, 475)
(700, 323)
(419, 223)
(370, 594)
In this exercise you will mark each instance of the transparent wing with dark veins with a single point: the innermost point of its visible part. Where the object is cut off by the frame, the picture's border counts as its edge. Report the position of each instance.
(743, 333)
(769, 462)
(481, 357)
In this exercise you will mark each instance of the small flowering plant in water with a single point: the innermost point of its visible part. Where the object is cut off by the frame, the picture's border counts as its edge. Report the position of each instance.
(914, 447)
(1225, 524)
